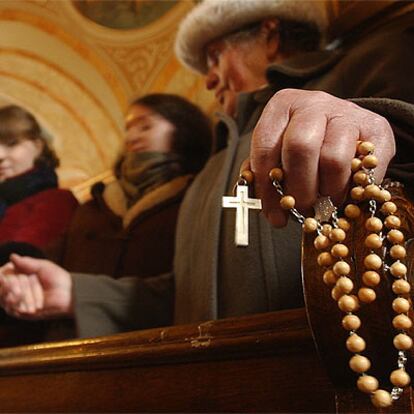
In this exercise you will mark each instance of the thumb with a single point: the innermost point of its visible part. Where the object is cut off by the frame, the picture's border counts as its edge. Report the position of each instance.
(26, 264)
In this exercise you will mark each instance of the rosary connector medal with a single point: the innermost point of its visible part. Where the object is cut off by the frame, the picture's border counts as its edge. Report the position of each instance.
(242, 203)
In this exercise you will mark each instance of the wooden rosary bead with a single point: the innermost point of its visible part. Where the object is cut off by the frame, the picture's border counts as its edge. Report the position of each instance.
(351, 322)
(370, 161)
(325, 259)
(365, 148)
(384, 196)
(337, 235)
(341, 268)
(345, 284)
(348, 303)
(287, 202)
(326, 229)
(400, 378)
(276, 174)
(357, 193)
(321, 242)
(366, 295)
(398, 269)
(359, 363)
(401, 287)
(310, 225)
(398, 252)
(381, 399)
(400, 305)
(392, 222)
(402, 342)
(352, 211)
(356, 164)
(373, 262)
(339, 250)
(367, 384)
(248, 176)
(371, 278)
(336, 293)
(329, 277)
(388, 208)
(360, 178)
(344, 224)
(402, 322)
(373, 224)
(395, 236)
(373, 241)
(355, 343)
(372, 191)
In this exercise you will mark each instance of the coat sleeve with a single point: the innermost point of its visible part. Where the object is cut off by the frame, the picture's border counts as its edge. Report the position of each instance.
(39, 219)
(400, 115)
(105, 306)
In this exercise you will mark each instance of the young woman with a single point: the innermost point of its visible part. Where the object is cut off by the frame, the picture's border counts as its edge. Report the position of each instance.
(128, 228)
(34, 212)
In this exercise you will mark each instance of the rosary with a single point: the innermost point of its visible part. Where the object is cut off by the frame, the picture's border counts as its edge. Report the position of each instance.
(330, 233)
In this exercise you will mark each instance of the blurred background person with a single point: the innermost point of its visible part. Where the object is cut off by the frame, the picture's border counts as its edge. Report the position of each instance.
(128, 228)
(34, 212)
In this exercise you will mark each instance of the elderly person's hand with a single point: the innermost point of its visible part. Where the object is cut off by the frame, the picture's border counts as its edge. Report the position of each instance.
(313, 136)
(35, 289)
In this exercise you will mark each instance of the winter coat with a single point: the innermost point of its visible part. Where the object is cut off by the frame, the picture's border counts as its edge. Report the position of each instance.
(214, 279)
(107, 237)
(40, 219)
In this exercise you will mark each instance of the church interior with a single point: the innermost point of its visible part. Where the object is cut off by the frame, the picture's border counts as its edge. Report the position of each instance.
(76, 65)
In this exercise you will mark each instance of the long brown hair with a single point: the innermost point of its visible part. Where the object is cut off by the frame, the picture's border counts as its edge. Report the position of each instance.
(16, 125)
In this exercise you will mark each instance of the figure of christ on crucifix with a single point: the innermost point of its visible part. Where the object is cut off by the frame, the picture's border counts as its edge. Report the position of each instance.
(242, 203)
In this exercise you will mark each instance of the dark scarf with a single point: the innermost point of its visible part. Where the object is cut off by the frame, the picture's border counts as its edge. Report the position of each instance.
(18, 188)
(140, 173)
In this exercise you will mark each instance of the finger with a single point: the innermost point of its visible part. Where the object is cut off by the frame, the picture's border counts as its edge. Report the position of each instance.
(37, 291)
(12, 291)
(245, 165)
(7, 269)
(265, 154)
(337, 152)
(26, 264)
(376, 129)
(301, 147)
(27, 303)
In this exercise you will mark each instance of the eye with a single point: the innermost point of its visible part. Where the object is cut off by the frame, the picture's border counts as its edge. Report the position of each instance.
(145, 127)
(12, 142)
(213, 56)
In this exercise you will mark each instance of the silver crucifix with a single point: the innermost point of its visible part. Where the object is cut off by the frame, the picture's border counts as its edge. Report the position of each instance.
(242, 203)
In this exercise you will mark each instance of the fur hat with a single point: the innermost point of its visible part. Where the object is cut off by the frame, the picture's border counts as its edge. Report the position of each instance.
(212, 19)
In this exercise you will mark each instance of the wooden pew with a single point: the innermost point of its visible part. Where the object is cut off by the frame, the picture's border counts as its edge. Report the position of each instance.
(259, 363)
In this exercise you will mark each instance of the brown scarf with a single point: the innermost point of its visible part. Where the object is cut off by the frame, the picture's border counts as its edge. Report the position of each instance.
(140, 173)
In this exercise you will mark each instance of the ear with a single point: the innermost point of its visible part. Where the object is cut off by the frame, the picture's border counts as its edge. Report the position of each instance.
(269, 29)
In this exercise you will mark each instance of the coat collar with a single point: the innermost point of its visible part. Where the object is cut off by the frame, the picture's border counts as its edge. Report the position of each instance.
(295, 72)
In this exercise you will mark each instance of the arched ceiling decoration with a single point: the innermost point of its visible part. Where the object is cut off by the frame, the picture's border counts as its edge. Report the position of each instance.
(77, 76)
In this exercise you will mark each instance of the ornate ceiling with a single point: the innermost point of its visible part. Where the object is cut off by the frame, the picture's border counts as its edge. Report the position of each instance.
(77, 75)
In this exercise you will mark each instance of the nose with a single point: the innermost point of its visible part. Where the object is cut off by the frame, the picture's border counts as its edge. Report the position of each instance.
(212, 80)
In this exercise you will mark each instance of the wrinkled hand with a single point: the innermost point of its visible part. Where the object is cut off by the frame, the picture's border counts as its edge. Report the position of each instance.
(35, 289)
(313, 135)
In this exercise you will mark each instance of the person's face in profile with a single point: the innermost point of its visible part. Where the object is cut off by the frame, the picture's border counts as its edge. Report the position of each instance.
(234, 68)
(147, 131)
(18, 157)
